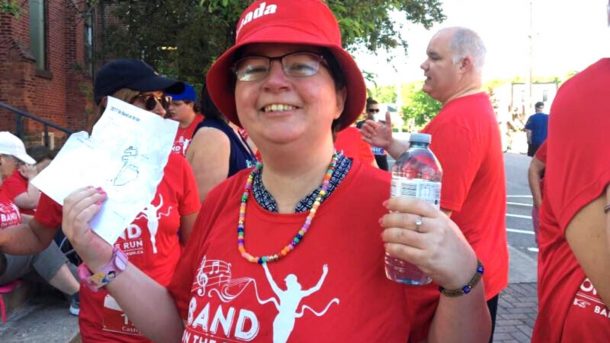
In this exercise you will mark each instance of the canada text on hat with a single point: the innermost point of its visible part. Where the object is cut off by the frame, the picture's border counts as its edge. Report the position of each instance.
(261, 10)
(13, 146)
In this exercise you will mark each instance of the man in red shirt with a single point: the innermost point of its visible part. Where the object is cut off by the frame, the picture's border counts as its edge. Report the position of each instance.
(184, 110)
(466, 141)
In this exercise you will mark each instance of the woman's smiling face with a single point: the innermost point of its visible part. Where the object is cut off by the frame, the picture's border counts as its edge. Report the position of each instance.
(283, 109)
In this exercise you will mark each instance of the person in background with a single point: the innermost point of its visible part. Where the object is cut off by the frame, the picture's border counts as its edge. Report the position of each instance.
(185, 110)
(17, 169)
(574, 237)
(466, 141)
(349, 141)
(218, 150)
(536, 129)
(283, 248)
(535, 176)
(49, 263)
(154, 240)
(381, 157)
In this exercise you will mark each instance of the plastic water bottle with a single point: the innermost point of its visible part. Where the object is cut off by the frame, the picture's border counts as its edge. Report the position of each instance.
(417, 174)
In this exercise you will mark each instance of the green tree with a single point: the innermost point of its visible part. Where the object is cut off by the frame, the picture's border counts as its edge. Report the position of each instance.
(419, 107)
(182, 38)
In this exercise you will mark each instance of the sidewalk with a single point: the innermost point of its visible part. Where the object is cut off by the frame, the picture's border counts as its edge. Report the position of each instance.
(518, 304)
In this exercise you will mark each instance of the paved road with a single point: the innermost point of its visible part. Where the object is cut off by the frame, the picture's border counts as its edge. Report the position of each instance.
(518, 303)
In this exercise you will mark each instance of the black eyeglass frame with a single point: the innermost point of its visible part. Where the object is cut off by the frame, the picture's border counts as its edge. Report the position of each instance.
(320, 60)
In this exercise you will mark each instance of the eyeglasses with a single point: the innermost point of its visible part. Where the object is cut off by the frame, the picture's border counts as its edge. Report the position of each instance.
(372, 110)
(151, 100)
(295, 64)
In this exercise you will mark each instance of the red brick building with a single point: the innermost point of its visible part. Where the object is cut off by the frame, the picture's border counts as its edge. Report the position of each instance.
(45, 64)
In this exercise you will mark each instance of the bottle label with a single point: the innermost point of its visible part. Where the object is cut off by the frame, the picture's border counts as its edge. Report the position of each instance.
(429, 191)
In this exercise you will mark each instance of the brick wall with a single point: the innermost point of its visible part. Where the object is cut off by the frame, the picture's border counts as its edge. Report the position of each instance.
(62, 92)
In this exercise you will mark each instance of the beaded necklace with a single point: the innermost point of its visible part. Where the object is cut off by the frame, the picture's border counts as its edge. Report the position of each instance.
(300, 234)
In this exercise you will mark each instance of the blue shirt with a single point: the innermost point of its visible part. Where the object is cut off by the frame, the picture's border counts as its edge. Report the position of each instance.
(538, 123)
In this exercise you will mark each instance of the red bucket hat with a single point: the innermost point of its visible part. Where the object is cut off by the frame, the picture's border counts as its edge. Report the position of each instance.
(308, 22)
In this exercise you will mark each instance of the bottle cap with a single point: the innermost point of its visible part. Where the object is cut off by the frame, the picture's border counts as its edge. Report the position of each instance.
(420, 138)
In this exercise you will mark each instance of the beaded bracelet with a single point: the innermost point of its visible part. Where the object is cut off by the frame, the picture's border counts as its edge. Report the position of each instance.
(468, 287)
(607, 208)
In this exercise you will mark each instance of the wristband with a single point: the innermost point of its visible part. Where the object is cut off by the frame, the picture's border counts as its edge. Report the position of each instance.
(466, 288)
(108, 272)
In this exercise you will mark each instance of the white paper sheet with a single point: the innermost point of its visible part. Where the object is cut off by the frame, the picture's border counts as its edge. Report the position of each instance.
(125, 155)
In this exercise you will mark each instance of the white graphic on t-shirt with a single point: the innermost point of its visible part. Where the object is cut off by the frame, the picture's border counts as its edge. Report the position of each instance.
(587, 297)
(9, 215)
(214, 278)
(181, 145)
(289, 300)
(152, 215)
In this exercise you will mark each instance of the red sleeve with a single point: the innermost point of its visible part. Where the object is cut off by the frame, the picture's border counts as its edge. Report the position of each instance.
(349, 140)
(541, 153)
(12, 186)
(186, 270)
(577, 165)
(48, 212)
(458, 153)
(182, 281)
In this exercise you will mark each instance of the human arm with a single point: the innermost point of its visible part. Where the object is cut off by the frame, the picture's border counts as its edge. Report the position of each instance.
(441, 251)
(208, 155)
(588, 234)
(379, 134)
(28, 238)
(534, 176)
(28, 199)
(158, 319)
(186, 227)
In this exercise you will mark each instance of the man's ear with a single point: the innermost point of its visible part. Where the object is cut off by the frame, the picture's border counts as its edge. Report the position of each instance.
(466, 64)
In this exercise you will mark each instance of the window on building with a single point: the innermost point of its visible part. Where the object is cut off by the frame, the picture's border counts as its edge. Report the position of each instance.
(38, 37)
(89, 43)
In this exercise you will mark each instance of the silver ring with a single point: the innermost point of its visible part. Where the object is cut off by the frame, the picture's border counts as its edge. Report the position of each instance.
(418, 223)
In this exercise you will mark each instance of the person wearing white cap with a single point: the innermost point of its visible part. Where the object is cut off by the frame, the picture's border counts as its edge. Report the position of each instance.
(17, 168)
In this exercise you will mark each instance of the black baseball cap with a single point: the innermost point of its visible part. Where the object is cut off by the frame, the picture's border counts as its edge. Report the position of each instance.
(131, 74)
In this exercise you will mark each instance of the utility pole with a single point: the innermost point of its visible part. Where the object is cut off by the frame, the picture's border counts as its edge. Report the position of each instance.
(531, 59)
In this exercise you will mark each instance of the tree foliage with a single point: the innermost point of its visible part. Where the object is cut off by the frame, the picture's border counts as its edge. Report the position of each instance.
(182, 38)
(420, 107)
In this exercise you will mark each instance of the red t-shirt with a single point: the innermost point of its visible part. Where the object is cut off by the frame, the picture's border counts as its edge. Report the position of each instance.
(577, 173)
(541, 156)
(184, 135)
(349, 140)
(100, 317)
(9, 213)
(15, 185)
(466, 141)
(222, 297)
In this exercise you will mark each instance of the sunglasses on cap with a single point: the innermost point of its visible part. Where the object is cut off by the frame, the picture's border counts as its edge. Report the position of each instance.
(295, 64)
(372, 110)
(151, 100)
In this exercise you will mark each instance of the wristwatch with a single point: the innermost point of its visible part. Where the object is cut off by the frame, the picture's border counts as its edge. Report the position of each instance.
(116, 265)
